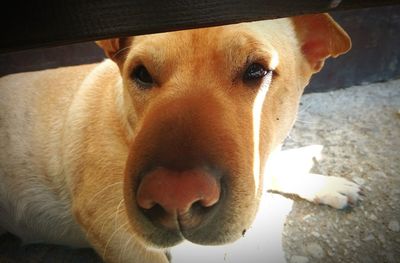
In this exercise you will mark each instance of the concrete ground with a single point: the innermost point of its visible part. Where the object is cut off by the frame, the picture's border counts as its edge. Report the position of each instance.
(359, 129)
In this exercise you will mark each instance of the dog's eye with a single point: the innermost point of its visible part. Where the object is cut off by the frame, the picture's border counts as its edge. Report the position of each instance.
(254, 72)
(142, 77)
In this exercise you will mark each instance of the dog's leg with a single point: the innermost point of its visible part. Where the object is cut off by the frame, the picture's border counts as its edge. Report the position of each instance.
(329, 190)
(289, 173)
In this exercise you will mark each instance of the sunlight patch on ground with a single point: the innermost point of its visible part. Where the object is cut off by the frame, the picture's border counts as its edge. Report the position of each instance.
(263, 241)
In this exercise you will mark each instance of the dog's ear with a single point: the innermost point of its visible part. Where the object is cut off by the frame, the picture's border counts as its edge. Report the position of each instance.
(320, 37)
(115, 48)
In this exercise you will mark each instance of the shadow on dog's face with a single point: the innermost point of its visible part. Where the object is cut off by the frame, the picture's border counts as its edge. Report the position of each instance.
(206, 107)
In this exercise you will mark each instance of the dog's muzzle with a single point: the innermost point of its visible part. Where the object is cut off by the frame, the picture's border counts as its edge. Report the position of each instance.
(186, 175)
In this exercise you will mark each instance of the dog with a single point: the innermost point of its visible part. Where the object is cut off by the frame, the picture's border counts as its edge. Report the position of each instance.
(165, 141)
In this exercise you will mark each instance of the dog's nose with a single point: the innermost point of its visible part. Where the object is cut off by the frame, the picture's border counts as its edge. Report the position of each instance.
(171, 197)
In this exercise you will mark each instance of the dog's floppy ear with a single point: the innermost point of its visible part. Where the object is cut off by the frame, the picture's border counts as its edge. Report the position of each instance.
(115, 48)
(320, 37)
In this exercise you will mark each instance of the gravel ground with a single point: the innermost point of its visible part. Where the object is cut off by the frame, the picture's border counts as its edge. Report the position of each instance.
(359, 128)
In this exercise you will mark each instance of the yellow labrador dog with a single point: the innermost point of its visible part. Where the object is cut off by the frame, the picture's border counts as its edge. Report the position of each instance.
(165, 141)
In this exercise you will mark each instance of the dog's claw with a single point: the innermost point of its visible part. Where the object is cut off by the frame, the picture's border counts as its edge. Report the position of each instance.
(337, 192)
(351, 203)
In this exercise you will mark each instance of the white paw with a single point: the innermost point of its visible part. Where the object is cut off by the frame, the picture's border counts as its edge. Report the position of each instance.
(330, 190)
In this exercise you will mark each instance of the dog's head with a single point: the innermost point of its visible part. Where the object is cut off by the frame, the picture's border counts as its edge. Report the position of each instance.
(206, 108)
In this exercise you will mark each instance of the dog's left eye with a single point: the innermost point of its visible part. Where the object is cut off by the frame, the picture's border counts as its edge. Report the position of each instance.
(254, 72)
(142, 77)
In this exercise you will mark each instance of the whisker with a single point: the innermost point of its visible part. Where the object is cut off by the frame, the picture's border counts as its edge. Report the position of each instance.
(100, 217)
(305, 108)
(104, 223)
(116, 212)
(124, 249)
(111, 237)
(307, 122)
(101, 191)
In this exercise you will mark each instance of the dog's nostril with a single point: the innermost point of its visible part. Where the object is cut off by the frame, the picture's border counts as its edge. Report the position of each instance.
(155, 212)
(167, 195)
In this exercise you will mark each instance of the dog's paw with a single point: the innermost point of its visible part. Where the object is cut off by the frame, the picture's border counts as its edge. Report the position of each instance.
(334, 191)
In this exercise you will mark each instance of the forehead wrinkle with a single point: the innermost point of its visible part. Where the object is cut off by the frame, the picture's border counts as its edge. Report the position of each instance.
(147, 53)
(244, 48)
(170, 45)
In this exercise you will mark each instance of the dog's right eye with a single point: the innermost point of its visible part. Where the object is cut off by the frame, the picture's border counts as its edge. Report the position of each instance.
(142, 77)
(255, 72)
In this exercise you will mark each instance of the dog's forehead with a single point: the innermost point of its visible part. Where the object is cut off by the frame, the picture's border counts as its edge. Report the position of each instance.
(196, 37)
(230, 39)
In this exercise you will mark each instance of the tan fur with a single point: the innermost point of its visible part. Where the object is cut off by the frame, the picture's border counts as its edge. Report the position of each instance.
(73, 139)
